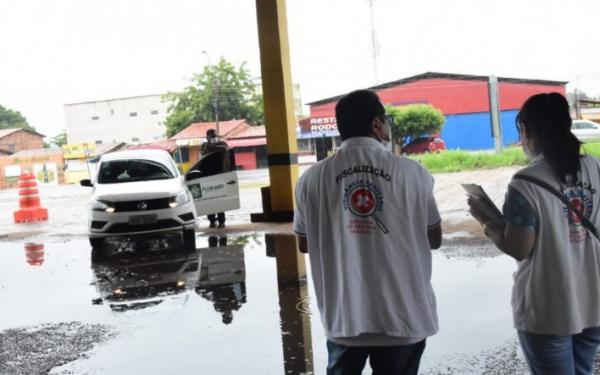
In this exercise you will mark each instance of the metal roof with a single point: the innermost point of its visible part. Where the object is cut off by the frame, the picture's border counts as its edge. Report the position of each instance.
(198, 129)
(434, 75)
(111, 100)
(5, 132)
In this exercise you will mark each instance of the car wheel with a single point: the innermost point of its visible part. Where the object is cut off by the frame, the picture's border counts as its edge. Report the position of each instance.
(189, 239)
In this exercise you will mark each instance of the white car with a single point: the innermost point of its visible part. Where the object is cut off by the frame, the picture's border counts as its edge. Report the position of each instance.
(585, 129)
(139, 192)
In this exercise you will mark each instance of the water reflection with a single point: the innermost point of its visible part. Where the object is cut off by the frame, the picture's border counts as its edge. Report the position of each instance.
(34, 253)
(293, 296)
(223, 277)
(140, 280)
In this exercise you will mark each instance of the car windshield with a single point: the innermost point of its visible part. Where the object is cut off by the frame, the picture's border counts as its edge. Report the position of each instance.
(116, 171)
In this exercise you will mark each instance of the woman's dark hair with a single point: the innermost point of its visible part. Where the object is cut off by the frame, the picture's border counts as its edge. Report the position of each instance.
(546, 118)
(355, 112)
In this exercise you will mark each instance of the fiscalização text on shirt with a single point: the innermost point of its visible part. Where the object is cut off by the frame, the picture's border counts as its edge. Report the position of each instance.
(378, 172)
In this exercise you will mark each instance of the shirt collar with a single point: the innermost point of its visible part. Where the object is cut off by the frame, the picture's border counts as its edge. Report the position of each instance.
(362, 141)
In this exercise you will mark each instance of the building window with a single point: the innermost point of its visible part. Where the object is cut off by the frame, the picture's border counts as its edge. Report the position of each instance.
(98, 142)
(95, 118)
(135, 139)
(132, 114)
(182, 155)
(11, 148)
(154, 112)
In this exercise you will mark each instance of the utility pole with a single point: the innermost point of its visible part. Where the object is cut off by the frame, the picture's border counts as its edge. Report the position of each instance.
(577, 114)
(495, 113)
(215, 99)
(577, 107)
(373, 42)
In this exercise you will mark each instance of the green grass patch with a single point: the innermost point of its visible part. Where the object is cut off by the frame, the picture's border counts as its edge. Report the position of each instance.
(592, 148)
(456, 161)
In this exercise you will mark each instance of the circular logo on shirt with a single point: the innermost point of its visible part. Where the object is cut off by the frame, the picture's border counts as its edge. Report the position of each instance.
(362, 200)
(581, 202)
(579, 205)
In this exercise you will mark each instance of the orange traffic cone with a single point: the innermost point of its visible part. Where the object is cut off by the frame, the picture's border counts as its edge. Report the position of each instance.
(29, 200)
(34, 252)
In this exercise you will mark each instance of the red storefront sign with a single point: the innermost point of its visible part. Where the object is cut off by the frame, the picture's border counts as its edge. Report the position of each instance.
(318, 127)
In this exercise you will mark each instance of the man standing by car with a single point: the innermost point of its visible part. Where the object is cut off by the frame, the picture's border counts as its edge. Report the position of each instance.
(214, 145)
(368, 219)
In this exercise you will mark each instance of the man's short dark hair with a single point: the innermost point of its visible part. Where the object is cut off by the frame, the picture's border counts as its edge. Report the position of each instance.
(211, 131)
(355, 112)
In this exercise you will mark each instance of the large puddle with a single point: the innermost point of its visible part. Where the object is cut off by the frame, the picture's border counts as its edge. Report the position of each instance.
(235, 305)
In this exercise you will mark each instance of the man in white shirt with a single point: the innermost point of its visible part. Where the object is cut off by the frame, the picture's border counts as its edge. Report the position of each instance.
(368, 220)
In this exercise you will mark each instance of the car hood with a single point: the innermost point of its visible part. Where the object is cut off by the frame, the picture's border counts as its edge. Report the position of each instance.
(126, 191)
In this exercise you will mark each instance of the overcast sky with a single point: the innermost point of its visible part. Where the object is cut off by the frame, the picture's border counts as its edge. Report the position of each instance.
(64, 51)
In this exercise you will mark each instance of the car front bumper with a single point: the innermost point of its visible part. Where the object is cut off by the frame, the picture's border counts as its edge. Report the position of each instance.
(103, 224)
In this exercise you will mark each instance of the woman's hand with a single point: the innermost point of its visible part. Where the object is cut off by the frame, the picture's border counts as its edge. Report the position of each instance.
(477, 213)
(513, 240)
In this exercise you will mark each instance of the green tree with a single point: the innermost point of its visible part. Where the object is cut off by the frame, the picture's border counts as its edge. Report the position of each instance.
(228, 86)
(415, 120)
(59, 140)
(13, 119)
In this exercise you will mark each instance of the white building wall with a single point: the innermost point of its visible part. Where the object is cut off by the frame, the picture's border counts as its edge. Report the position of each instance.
(131, 120)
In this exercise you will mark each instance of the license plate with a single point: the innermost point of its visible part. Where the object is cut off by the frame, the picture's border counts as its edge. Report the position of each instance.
(142, 219)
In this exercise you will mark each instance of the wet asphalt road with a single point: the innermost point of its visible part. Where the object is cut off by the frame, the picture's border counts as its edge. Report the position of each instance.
(216, 310)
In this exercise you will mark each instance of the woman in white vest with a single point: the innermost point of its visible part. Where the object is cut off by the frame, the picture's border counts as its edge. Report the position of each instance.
(550, 215)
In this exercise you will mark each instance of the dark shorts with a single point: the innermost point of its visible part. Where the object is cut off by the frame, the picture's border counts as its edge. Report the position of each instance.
(350, 360)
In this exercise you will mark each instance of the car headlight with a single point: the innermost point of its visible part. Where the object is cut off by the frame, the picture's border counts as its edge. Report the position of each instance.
(179, 199)
(100, 205)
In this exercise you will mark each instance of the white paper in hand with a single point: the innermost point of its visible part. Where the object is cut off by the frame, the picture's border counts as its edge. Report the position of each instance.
(483, 202)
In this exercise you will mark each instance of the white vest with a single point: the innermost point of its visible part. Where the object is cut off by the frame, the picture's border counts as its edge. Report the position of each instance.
(365, 213)
(557, 288)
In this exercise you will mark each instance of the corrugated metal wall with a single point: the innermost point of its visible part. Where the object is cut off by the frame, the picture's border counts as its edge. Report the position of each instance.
(464, 103)
(473, 131)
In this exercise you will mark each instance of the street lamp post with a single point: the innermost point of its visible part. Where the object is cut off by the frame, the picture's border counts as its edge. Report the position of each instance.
(215, 99)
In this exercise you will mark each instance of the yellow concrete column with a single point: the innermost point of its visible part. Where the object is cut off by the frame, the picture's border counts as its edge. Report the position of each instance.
(280, 121)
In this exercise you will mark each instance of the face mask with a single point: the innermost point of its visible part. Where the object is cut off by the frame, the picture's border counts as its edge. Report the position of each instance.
(212, 140)
(388, 145)
(386, 133)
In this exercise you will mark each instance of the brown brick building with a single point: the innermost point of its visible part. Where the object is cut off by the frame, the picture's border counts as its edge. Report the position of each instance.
(16, 139)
